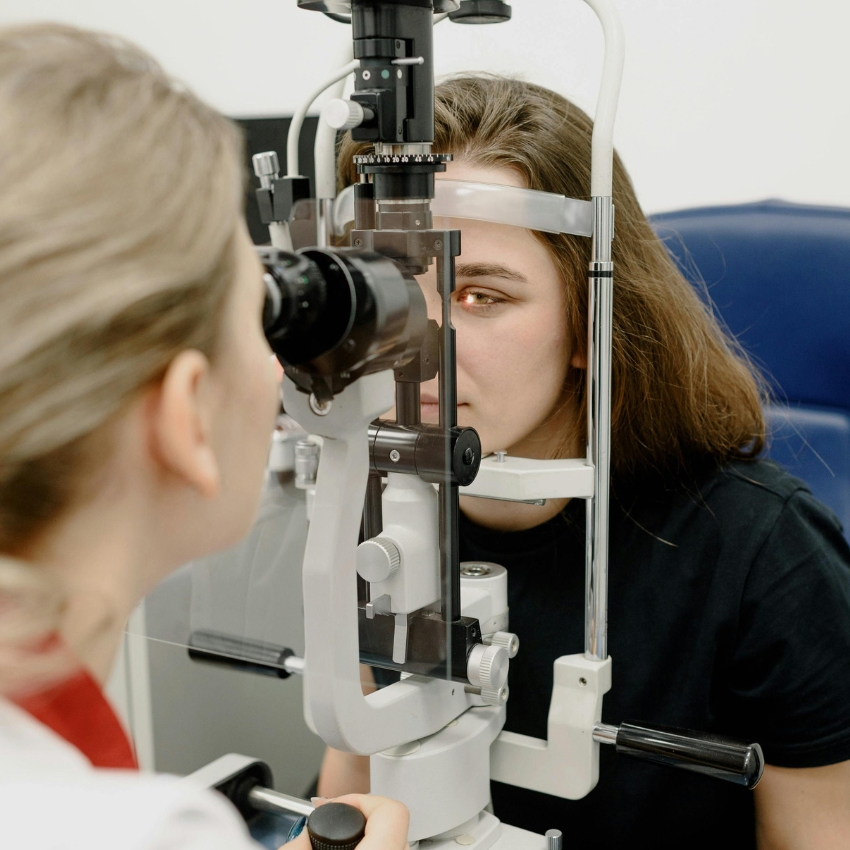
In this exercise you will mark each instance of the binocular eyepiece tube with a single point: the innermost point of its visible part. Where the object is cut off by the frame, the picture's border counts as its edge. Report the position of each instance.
(334, 315)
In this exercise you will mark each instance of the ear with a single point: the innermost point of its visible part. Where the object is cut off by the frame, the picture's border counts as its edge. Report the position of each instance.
(181, 424)
(578, 360)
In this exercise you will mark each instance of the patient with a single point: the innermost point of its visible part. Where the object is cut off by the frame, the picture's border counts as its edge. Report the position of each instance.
(729, 582)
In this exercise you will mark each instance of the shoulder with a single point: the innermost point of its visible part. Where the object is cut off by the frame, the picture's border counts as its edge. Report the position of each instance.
(29, 748)
(106, 808)
(741, 500)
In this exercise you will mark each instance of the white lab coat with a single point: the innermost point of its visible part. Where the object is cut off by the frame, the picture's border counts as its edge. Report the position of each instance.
(51, 798)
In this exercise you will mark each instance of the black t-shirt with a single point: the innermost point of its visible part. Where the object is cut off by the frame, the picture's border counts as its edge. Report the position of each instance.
(729, 612)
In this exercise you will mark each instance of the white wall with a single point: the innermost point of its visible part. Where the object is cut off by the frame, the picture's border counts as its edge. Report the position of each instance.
(723, 100)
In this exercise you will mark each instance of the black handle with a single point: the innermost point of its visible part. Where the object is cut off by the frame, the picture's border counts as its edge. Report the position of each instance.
(712, 755)
(253, 656)
(336, 826)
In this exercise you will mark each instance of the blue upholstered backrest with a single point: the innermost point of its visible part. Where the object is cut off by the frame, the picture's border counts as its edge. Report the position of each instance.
(779, 276)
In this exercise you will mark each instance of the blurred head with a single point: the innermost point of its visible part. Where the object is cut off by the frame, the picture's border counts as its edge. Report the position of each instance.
(132, 359)
(682, 390)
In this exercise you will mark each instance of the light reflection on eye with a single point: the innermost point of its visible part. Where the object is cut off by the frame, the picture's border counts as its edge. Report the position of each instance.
(477, 300)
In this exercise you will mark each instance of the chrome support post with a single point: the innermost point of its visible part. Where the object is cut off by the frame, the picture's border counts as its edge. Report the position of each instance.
(599, 338)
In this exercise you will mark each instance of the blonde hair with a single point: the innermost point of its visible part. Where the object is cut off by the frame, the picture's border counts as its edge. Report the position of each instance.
(683, 392)
(120, 195)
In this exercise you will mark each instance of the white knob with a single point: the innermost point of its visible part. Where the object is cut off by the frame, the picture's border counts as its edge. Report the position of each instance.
(498, 697)
(343, 114)
(487, 667)
(377, 559)
(506, 639)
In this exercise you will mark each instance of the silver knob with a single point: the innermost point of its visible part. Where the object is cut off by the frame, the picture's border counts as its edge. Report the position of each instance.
(306, 464)
(266, 167)
(506, 639)
(343, 114)
(487, 667)
(377, 559)
(497, 697)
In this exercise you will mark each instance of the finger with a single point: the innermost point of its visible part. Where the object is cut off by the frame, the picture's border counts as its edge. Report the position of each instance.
(302, 842)
(387, 821)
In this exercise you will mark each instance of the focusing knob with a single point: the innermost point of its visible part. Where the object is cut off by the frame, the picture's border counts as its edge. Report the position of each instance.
(487, 667)
(377, 559)
(342, 114)
(499, 697)
(336, 826)
(508, 640)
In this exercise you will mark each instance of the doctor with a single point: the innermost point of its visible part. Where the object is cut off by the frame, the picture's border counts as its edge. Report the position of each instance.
(137, 400)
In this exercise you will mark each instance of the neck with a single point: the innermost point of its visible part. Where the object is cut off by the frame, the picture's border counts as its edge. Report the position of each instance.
(96, 555)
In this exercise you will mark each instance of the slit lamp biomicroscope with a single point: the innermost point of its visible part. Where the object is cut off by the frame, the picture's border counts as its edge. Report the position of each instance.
(350, 328)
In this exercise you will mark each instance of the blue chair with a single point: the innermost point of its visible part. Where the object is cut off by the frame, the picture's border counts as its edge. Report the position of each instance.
(779, 276)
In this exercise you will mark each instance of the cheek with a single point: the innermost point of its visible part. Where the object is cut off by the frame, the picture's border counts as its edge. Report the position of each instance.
(511, 372)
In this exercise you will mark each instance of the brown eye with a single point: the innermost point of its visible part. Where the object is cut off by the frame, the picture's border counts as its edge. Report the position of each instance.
(474, 299)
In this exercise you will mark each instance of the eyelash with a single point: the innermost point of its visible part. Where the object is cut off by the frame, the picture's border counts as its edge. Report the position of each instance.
(480, 308)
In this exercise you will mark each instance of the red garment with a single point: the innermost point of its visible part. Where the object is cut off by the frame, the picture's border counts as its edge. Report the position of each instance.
(77, 710)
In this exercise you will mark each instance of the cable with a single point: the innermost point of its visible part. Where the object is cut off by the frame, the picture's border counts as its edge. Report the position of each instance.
(292, 164)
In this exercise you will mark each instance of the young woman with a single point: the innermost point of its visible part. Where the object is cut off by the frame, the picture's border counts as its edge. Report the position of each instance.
(137, 401)
(729, 584)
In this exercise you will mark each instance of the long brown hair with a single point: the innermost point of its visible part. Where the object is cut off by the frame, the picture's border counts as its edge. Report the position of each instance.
(683, 391)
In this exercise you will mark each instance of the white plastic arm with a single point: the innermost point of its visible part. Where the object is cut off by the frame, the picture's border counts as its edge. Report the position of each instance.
(602, 160)
(346, 719)
(294, 135)
(567, 763)
(324, 149)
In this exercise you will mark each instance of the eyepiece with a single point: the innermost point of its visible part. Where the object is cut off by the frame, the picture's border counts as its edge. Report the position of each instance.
(332, 316)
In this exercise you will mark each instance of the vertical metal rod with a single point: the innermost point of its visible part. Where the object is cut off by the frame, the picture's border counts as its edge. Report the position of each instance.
(407, 400)
(373, 520)
(449, 502)
(599, 333)
(371, 525)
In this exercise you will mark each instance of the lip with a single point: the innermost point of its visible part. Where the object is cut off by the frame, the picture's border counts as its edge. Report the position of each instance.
(429, 399)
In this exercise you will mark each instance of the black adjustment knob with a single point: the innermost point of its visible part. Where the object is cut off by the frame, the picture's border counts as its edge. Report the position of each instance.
(336, 826)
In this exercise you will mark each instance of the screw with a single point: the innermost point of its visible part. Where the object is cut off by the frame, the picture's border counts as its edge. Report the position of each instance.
(468, 457)
(320, 408)
(367, 75)
(438, 243)
(395, 457)
(500, 457)
(582, 681)
(358, 243)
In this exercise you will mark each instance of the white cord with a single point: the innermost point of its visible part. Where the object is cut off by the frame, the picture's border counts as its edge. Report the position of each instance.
(292, 164)
(602, 158)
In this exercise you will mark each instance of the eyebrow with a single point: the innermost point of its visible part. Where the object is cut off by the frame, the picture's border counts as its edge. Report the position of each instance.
(489, 270)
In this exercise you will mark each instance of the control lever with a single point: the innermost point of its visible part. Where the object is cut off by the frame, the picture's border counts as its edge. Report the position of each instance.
(252, 656)
(245, 782)
(700, 752)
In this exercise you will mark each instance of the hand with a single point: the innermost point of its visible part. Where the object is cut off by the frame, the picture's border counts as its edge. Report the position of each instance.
(386, 823)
